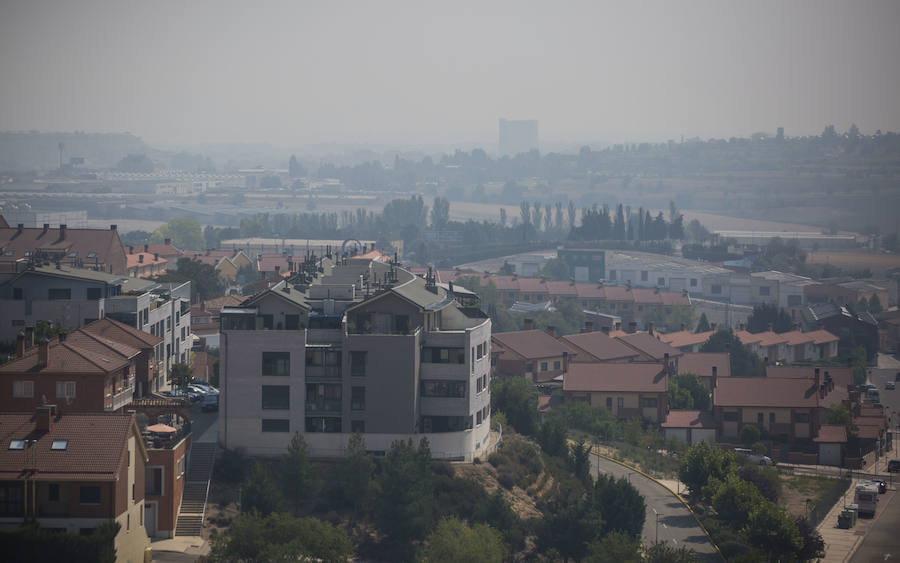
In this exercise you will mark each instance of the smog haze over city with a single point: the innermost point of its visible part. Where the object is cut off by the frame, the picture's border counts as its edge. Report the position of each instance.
(403, 73)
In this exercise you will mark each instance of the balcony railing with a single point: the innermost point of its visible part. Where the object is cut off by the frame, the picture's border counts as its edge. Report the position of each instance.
(324, 405)
(323, 371)
(167, 442)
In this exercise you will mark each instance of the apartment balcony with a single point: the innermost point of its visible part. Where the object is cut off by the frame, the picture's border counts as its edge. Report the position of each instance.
(428, 370)
(324, 406)
(120, 399)
(161, 441)
(333, 336)
(323, 372)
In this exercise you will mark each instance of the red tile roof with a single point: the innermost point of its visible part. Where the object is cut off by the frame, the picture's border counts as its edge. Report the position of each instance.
(562, 289)
(267, 263)
(618, 293)
(531, 344)
(163, 250)
(770, 338)
(115, 330)
(599, 346)
(765, 392)
(93, 453)
(686, 338)
(650, 345)
(701, 363)
(689, 419)
(832, 433)
(747, 337)
(796, 337)
(134, 260)
(822, 336)
(69, 357)
(634, 377)
(590, 291)
(101, 242)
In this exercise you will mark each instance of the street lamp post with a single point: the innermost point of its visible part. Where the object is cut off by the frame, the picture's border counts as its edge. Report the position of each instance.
(657, 524)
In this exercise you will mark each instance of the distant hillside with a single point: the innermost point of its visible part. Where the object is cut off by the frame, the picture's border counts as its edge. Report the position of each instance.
(24, 151)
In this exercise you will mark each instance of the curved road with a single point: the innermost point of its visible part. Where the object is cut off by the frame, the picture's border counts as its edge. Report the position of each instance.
(676, 525)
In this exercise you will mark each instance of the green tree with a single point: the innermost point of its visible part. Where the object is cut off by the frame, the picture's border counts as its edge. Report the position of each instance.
(452, 541)
(580, 462)
(744, 363)
(48, 330)
(186, 234)
(621, 503)
(180, 375)
(839, 414)
(687, 392)
(569, 527)
(354, 474)
(517, 399)
(703, 462)
(860, 361)
(204, 279)
(440, 213)
(734, 501)
(281, 538)
(768, 314)
(813, 544)
(703, 324)
(662, 552)
(556, 269)
(615, 548)
(773, 531)
(750, 434)
(552, 437)
(875, 305)
(259, 493)
(403, 510)
(298, 478)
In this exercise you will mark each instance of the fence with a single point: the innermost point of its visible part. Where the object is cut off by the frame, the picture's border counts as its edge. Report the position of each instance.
(821, 508)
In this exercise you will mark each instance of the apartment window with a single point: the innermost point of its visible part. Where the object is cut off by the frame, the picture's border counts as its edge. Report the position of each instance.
(644, 275)
(276, 425)
(358, 426)
(89, 494)
(54, 294)
(177, 317)
(53, 492)
(168, 324)
(17, 293)
(802, 417)
(276, 363)
(179, 467)
(557, 364)
(715, 288)
(433, 355)
(18, 322)
(358, 364)
(358, 398)
(276, 397)
(771, 418)
(402, 324)
(182, 334)
(609, 403)
(661, 282)
(620, 402)
(543, 366)
(153, 481)
(529, 367)
(649, 402)
(478, 418)
(65, 389)
(431, 388)
(764, 291)
(730, 416)
(327, 424)
(693, 282)
(759, 418)
(794, 300)
(291, 322)
(23, 389)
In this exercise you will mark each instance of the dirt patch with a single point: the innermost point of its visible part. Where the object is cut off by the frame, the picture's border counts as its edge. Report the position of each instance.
(795, 489)
(522, 502)
(221, 508)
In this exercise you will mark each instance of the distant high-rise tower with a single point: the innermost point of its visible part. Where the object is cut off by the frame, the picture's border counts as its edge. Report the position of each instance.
(517, 136)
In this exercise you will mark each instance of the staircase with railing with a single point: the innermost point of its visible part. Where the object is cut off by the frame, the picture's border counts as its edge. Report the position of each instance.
(196, 489)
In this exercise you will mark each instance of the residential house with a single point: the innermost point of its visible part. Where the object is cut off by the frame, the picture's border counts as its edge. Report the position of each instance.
(590, 347)
(687, 341)
(705, 365)
(205, 317)
(691, 427)
(149, 372)
(73, 472)
(146, 265)
(852, 329)
(650, 348)
(625, 390)
(534, 354)
(96, 249)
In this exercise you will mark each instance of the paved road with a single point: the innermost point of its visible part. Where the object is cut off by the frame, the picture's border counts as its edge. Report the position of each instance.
(881, 542)
(204, 425)
(676, 525)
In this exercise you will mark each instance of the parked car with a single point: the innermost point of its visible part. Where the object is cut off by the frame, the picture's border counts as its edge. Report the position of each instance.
(890, 385)
(210, 403)
(758, 459)
(207, 389)
(882, 486)
(894, 466)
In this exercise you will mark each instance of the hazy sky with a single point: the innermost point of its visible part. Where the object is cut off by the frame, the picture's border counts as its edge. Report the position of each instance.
(297, 72)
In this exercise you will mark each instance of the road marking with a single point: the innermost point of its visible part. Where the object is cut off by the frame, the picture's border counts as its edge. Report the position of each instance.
(664, 526)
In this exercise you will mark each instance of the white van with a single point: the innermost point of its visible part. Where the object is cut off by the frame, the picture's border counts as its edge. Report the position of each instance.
(866, 498)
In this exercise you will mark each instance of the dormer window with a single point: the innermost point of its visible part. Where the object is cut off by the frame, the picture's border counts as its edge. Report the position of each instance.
(92, 255)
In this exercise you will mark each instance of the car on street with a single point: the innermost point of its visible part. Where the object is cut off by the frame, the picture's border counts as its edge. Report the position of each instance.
(882, 486)
(890, 385)
(206, 389)
(210, 403)
(894, 466)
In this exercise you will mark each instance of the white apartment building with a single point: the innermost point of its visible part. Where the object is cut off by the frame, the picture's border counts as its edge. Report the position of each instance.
(361, 347)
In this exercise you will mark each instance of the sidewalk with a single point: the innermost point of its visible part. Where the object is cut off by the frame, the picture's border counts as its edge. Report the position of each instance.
(841, 544)
(191, 547)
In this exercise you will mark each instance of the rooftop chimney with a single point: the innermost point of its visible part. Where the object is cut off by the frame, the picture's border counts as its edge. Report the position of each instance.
(712, 326)
(632, 327)
(167, 241)
(62, 336)
(130, 249)
(666, 362)
(43, 418)
(551, 330)
(46, 228)
(742, 327)
(141, 258)
(769, 327)
(682, 327)
(146, 248)
(529, 324)
(589, 326)
(618, 325)
(565, 362)
(62, 232)
(715, 377)
(43, 352)
(20, 345)
(113, 227)
(650, 328)
(20, 227)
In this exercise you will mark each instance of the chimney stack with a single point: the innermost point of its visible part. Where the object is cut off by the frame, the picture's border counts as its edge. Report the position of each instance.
(43, 418)
(62, 232)
(62, 336)
(46, 228)
(43, 352)
(650, 328)
(632, 327)
(20, 345)
(589, 326)
(551, 330)
(146, 248)
(713, 326)
(742, 327)
(529, 324)
(715, 377)
(682, 327)
(130, 249)
(565, 362)
(618, 325)
(113, 227)
(167, 241)
(141, 258)
(769, 327)
(20, 227)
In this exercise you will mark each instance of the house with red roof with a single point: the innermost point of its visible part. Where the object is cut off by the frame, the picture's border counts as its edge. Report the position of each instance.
(686, 340)
(706, 365)
(72, 472)
(633, 390)
(690, 427)
(97, 249)
(589, 347)
(534, 354)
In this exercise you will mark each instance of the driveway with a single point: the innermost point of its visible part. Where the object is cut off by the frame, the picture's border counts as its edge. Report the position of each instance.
(677, 526)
